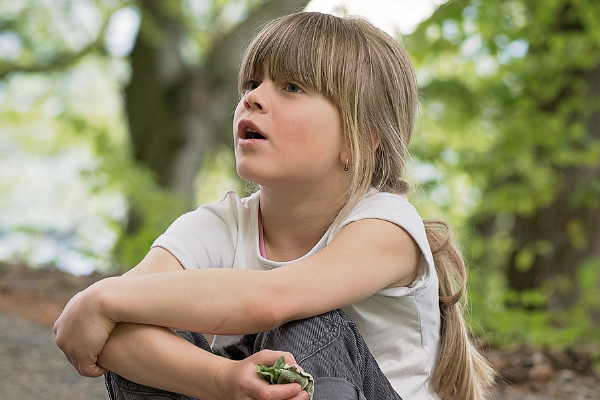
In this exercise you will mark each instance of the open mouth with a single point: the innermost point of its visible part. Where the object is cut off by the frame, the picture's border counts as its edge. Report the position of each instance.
(247, 130)
(252, 134)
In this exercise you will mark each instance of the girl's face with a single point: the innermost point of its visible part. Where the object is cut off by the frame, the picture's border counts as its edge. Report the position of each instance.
(288, 135)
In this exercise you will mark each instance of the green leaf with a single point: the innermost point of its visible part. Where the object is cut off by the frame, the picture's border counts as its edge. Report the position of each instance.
(281, 373)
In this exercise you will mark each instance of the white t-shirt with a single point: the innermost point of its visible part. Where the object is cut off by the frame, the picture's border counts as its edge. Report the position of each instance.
(400, 325)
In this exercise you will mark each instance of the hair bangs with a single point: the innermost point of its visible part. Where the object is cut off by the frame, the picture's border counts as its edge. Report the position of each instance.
(298, 50)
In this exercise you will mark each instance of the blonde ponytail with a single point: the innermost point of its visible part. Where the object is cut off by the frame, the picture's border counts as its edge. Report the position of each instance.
(461, 373)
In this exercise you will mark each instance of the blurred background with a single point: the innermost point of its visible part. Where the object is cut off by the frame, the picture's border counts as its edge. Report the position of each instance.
(115, 118)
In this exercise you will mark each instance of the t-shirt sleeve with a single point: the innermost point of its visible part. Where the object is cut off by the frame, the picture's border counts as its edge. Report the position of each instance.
(399, 211)
(199, 239)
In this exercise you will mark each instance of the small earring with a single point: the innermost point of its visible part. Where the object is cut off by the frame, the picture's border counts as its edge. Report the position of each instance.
(346, 165)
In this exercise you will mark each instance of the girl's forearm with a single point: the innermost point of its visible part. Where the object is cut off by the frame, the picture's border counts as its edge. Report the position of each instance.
(157, 357)
(220, 301)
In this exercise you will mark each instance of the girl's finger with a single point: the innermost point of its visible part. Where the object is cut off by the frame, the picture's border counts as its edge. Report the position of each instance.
(268, 357)
(279, 391)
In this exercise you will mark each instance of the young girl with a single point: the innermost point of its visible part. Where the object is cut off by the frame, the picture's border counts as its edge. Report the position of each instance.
(328, 261)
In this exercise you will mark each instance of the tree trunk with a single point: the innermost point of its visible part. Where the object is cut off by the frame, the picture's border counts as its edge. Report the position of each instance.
(563, 235)
(177, 115)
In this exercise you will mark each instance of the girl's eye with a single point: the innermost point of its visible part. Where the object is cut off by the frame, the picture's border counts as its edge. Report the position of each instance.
(293, 88)
(251, 85)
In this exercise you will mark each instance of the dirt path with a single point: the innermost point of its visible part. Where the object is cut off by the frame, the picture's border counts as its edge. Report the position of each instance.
(32, 367)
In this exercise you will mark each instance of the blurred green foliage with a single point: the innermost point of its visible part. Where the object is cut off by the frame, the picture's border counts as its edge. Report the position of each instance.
(63, 68)
(510, 95)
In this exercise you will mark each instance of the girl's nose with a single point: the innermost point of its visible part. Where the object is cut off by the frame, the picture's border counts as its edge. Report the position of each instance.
(256, 100)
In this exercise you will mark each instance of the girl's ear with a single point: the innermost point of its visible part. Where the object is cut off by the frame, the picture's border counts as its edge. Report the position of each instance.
(346, 155)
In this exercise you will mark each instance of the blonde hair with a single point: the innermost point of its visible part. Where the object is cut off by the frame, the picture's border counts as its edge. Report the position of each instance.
(369, 77)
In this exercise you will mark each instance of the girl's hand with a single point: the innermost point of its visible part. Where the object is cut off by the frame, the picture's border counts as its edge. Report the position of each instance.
(240, 379)
(81, 332)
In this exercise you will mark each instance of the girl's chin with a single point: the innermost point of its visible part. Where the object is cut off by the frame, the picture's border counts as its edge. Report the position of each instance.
(259, 179)
(248, 174)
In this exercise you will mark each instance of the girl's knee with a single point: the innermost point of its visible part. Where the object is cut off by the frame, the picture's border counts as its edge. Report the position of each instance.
(336, 388)
(307, 337)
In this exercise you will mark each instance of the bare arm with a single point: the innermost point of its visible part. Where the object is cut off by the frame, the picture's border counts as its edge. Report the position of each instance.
(157, 357)
(365, 257)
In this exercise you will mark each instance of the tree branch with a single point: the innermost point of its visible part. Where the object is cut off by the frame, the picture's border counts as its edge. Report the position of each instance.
(60, 61)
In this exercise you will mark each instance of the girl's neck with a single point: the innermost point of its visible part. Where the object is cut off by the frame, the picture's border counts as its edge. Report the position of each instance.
(293, 223)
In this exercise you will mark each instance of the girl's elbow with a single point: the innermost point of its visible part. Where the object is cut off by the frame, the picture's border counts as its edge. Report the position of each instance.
(273, 310)
(263, 314)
